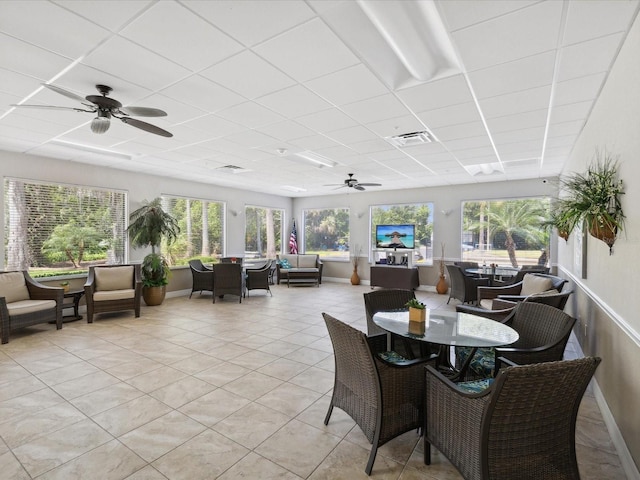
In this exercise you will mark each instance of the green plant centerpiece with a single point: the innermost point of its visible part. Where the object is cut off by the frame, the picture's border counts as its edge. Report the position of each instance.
(592, 198)
(417, 310)
(149, 224)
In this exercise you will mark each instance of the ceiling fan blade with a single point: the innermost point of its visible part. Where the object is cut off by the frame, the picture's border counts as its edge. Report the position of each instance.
(64, 92)
(370, 184)
(359, 187)
(143, 111)
(334, 185)
(341, 186)
(52, 107)
(147, 127)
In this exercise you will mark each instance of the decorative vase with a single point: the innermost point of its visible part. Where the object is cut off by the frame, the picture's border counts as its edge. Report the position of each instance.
(153, 296)
(441, 286)
(604, 233)
(417, 328)
(355, 278)
(417, 314)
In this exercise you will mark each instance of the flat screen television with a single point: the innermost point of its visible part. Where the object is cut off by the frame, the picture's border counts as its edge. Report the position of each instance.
(396, 236)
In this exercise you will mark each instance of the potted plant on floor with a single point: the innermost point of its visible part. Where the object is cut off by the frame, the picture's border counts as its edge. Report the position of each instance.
(149, 225)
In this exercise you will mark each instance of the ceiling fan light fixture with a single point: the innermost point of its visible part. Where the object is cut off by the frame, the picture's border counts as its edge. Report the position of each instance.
(101, 123)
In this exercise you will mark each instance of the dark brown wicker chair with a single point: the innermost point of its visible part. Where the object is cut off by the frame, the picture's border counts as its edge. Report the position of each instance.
(112, 288)
(524, 269)
(391, 299)
(464, 287)
(258, 278)
(514, 292)
(202, 277)
(384, 399)
(25, 302)
(228, 278)
(502, 308)
(544, 332)
(521, 427)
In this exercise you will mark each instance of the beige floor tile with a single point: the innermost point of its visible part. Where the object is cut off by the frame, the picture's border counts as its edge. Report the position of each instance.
(213, 407)
(83, 385)
(106, 398)
(196, 363)
(124, 418)
(289, 399)
(64, 374)
(147, 473)
(222, 374)
(125, 371)
(253, 385)
(28, 404)
(255, 467)
(340, 423)
(11, 468)
(182, 392)
(155, 379)
(315, 379)
(251, 425)
(283, 368)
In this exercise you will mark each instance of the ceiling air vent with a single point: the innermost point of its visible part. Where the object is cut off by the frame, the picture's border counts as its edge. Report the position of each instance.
(233, 169)
(410, 139)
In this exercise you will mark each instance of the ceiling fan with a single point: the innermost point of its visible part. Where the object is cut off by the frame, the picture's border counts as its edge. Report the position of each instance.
(353, 183)
(105, 108)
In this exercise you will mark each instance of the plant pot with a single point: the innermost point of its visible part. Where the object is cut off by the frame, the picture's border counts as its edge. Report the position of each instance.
(605, 233)
(355, 278)
(417, 314)
(417, 328)
(154, 296)
(441, 286)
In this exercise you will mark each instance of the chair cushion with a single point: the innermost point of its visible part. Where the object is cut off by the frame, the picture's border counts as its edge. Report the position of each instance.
(534, 284)
(292, 258)
(22, 307)
(307, 261)
(105, 295)
(13, 287)
(114, 278)
(487, 303)
(476, 386)
(482, 364)
(391, 357)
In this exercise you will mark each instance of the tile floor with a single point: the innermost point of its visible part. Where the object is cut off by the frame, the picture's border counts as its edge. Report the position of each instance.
(192, 390)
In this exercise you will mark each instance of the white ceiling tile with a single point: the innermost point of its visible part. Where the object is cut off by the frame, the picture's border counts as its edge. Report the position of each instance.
(72, 41)
(376, 109)
(189, 40)
(396, 126)
(252, 21)
(578, 89)
(191, 89)
(437, 94)
(518, 121)
(177, 112)
(308, 51)
(565, 128)
(17, 84)
(523, 74)
(352, 135)
(463, 130)
(103, 12)
(511, 103)
(452, 115)
(349, 85)
(596, 18)
(250, 139)
(213, 126)
(250, 114)
(249, 75)
(573, 111)
(466, 142)
(20, 56)
(462, 13)
(314, 142)
(371, 146)
(294, 102)
(327, 120)
(139, 65)
(286, 131)
(516, 136)
(587, 58)
(529, 31)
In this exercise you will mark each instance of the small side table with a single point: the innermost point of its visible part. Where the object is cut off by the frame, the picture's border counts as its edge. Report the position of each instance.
(76, 295)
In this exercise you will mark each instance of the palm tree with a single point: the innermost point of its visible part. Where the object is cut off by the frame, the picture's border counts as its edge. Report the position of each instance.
(522, 217)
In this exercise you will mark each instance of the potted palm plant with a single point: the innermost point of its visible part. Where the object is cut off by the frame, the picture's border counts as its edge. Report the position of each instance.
(149, 224)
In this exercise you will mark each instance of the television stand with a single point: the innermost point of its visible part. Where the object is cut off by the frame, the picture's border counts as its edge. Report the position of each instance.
(390, 276)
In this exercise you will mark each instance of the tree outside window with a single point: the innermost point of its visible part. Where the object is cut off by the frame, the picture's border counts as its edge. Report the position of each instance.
(326, 232)
(506, 232)
(263, 232)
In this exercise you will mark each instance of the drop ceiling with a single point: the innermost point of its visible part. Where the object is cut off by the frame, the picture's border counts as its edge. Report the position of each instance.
(248, 85)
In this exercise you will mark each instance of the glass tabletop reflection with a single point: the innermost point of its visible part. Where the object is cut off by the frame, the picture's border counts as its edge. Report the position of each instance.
(448, 328)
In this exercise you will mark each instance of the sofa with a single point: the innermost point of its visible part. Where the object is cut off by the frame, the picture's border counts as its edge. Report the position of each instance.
(299, 268)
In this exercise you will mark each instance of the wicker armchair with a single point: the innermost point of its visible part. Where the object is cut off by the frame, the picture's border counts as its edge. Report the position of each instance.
(544, 332)
(25, 302)
(521, 427)
(391, 299)
(531, 283)
(202, 277)
(464, 287)
(112, 288)
(228, 279)
(524, 269)
(258, 278)
(502, 308)
(384, 399)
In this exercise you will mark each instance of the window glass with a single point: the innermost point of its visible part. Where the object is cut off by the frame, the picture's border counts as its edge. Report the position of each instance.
(326, 232)
(506, 232)
(201, 230)
(52, 229)
(418, 214)
(263, 232)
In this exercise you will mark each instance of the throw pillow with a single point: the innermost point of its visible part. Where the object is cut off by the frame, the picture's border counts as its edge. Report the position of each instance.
(535, 284)
(285, 264)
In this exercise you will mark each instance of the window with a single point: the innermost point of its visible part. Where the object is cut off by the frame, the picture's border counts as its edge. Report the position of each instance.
(201, 230)
(506, 232)
(418, 214)
(263, 232)
(52, 229)
(326, 232)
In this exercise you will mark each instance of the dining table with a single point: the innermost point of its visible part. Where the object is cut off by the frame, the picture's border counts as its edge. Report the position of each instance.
(497, 273)
(447, 329)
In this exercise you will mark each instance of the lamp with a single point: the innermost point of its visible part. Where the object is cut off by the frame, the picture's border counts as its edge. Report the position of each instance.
(101, 123)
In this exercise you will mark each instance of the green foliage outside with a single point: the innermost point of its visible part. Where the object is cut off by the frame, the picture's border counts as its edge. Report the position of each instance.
(326, 231)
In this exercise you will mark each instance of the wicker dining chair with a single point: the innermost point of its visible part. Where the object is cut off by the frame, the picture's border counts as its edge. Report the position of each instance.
(202, 277)
(258, 278)
(521, 427)
(228, 278)
(464, 287)
(385, 399)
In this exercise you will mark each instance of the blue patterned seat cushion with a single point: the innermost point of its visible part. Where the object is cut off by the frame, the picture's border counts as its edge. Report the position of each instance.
(392, 357)
(482, 364)
(476, 386)
(285, 264)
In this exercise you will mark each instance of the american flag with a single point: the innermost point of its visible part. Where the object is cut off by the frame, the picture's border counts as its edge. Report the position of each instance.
(293, 239)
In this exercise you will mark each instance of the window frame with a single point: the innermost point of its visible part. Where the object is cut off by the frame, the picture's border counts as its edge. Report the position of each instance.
(344, 255)
(279, 236)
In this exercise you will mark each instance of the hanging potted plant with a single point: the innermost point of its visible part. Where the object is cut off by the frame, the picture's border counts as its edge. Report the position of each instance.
(594, 197)
(149, 225)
